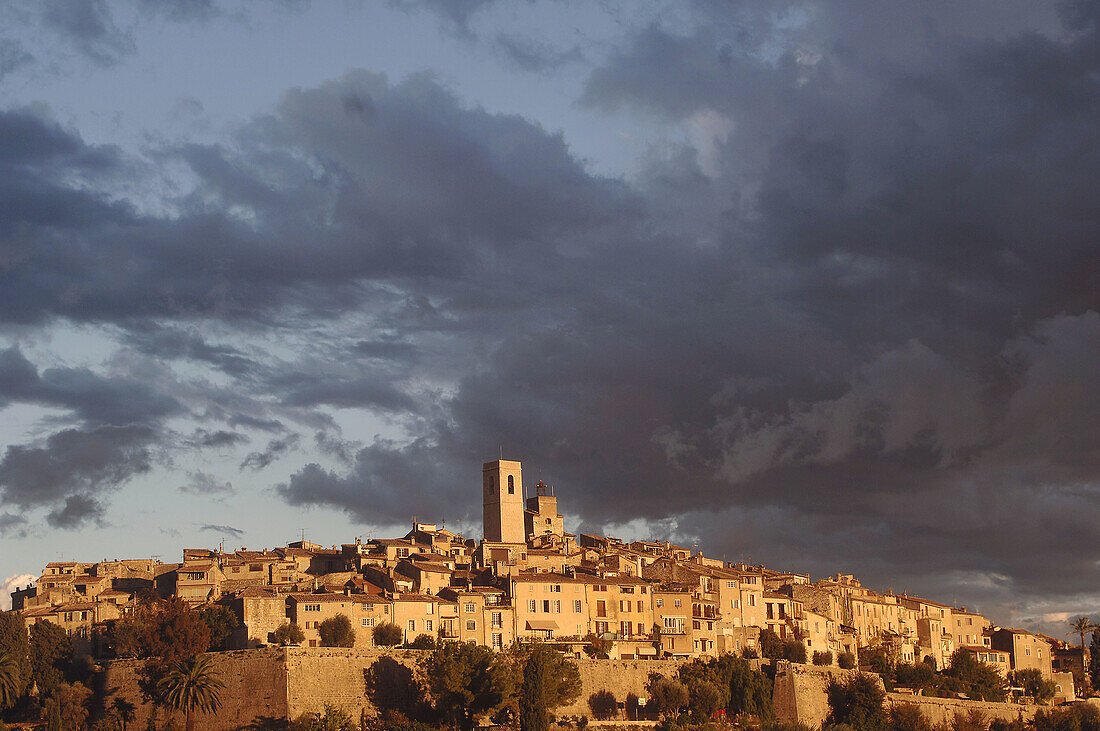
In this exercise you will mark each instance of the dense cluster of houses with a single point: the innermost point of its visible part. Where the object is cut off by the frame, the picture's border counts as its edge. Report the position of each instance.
(528, 579)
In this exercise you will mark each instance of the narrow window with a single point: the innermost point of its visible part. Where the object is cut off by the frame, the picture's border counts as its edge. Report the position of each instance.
(511, 485)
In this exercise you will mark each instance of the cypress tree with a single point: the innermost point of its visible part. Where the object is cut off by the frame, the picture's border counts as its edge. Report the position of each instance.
(533, 715)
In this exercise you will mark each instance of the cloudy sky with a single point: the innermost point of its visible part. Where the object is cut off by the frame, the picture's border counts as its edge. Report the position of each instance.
(813, 284)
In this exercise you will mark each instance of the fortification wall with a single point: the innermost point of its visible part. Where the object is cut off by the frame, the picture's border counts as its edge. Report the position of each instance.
(799, 691)
(285, 683)
(621, 677)
(800, 695)
(255, 686)
(942, 710)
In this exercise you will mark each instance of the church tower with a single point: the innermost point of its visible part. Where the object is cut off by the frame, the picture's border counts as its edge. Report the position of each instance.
(502, 484)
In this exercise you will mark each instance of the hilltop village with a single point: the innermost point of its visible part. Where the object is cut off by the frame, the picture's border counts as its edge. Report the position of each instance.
(528, 579)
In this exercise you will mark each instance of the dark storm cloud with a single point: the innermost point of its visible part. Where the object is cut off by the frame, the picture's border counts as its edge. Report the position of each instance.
(219, 439)
(854, 307)
(76, 510)
(859, 313)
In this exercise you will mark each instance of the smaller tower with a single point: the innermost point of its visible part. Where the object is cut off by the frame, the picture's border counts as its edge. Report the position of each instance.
(541, 516)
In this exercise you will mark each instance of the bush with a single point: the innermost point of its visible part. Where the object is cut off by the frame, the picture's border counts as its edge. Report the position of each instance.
(632, 706)
(1031, 680)
(337, 632)
(973, 720)
(794, 650)
(846, 660)
(823, 658)
(387, 635)
(603, 705)
(908, 717)
(288, 633)
(423, 642)
(771, 646)
(749, 653)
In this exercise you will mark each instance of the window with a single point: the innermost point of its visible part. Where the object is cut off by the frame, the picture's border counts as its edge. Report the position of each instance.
(601, 608)
(470, 607)
(731, 584)
(624, 605)
(471, 625)
(427, 625)
(557, 606)
(497, 620)
(676, 602)
(430, 609)
(555, 588)
(412, 625)
(577, 606)
(498, 642)
(386, 609)
(511, 485)
(368, 607)
(660, 602)
(752, 600)
(734, 604)
(624, 628)
(367, 621)
(695, 624)
(640, 605)
(311, 608)
(546, 605)
(530, 605)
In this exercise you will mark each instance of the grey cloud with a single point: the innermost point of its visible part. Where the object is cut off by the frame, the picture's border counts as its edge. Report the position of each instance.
(343, 449)
(72, 467)
(532, 55)
(226, 530)
(94, 398)
(219, 439)
(76, 510)
(176, 343)
(386, 485)
(202, 483)
(275, 449)
(89, 26)
(11, 523)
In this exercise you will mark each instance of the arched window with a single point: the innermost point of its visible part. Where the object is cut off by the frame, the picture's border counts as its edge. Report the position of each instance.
(511, 485)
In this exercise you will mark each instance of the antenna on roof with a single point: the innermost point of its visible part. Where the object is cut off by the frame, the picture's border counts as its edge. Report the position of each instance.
(501, 451)
(303, 532)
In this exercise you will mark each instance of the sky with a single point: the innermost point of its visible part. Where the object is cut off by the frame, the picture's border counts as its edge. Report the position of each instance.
(808, 284)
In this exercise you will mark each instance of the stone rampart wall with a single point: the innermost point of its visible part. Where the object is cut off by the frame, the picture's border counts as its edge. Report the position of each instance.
(285, 683)
(943, 710)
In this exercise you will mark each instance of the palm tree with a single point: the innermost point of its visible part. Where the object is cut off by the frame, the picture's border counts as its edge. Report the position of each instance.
(191, 685)
(9, 679)
(125, 711)
(1082, 626)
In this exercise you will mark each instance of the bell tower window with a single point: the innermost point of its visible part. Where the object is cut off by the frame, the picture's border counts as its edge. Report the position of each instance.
(511, 485)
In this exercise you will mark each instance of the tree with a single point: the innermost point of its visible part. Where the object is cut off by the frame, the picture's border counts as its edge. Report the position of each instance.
(124, 709)
(333, 719)
(51, 653)
(392, 687)
(603, 705)
(846, 660)
(750, 690)
(549, 680)
(533, 714)
(222, 622)
(981, 681)
(704, 699)
(597, 646)
(15, 643)
(858, 702)
(823, 658)
(908, 717)
(1082, 626)
(668, 695)
(1031, 680)
(1094, 657)
(771, 646)
(337, 632)
(10, 679)
(387, 635)
(288, 633)
(467, 681)
(72, 704)
(192, 685)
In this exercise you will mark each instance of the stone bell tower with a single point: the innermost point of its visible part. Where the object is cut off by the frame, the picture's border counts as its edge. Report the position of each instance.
(502, 486)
